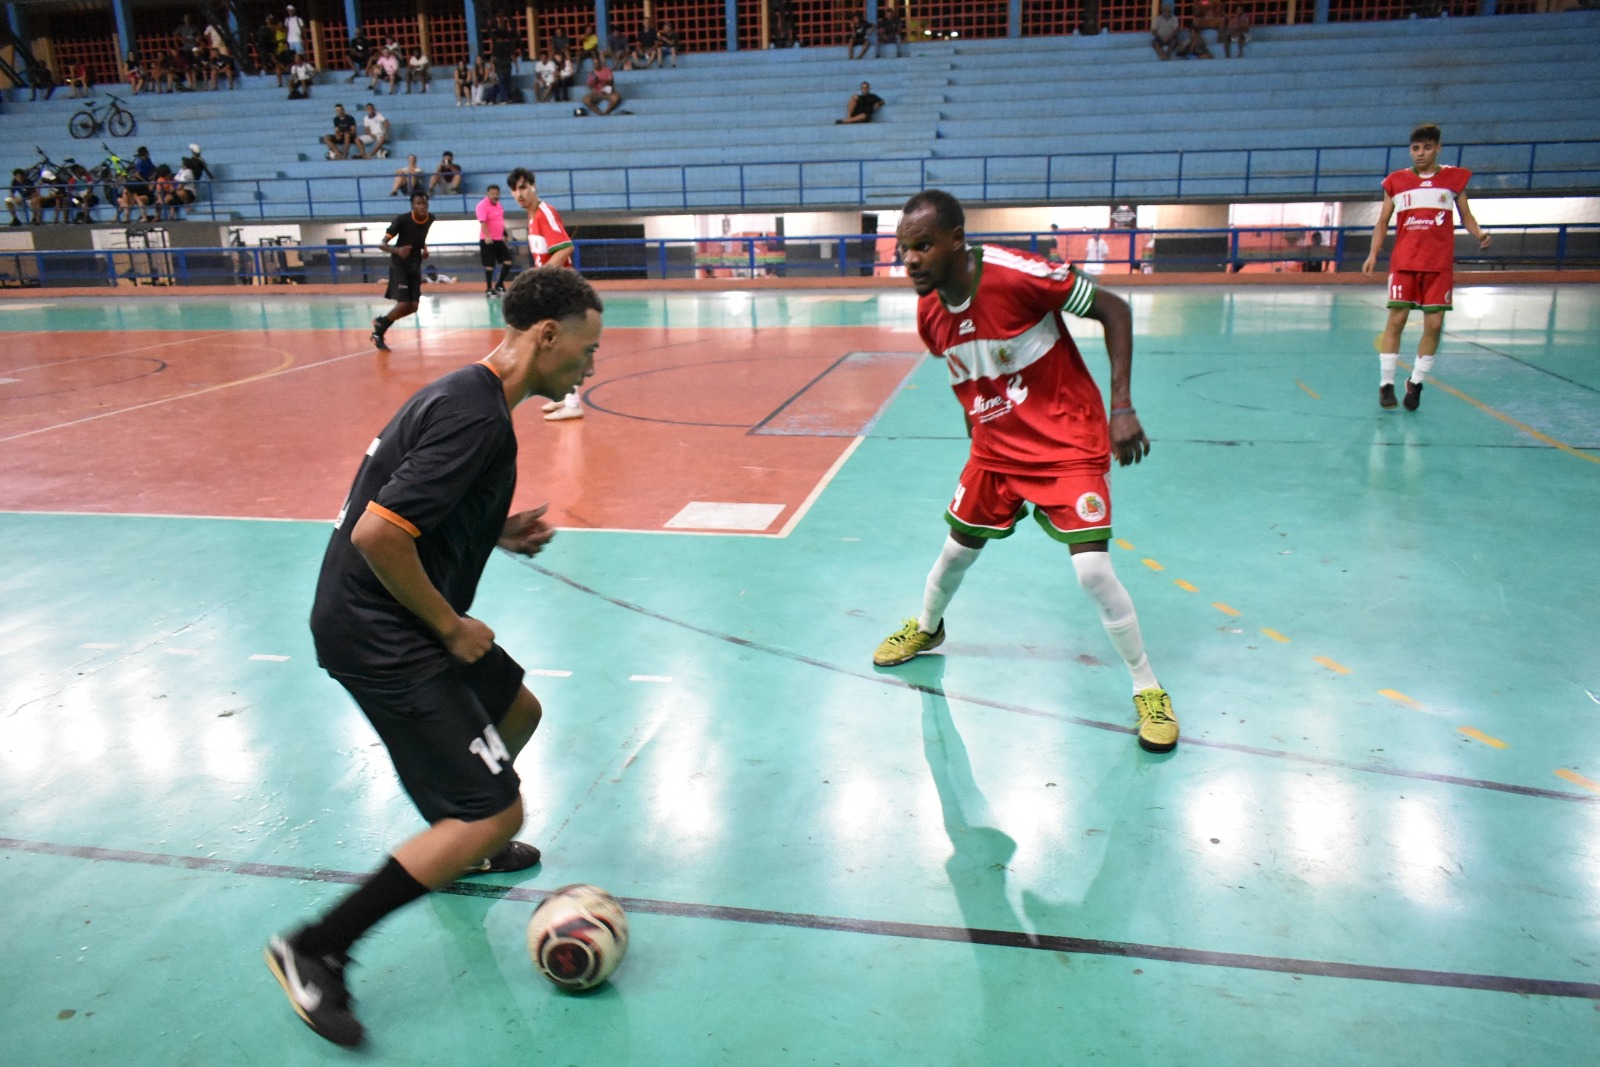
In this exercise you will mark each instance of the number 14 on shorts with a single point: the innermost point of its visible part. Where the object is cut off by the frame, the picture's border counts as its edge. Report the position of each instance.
(490, 749)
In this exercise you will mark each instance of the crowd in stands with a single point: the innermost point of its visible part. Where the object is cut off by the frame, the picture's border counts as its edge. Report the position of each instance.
(1185, 38)
(70, 192)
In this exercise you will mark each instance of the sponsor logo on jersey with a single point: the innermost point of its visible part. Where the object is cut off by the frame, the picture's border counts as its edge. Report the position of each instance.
(1017, 391)
(1091, 507)
(985, 408)
(966, 327)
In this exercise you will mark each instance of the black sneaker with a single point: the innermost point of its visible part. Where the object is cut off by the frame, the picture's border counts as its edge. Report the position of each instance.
(499, 290)
(378, 328)
(1413, 394)
(316, 991)
(1386, 396)
(517, 856)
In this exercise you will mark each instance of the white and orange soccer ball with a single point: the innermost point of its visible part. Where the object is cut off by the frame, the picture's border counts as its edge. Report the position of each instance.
(577, 936)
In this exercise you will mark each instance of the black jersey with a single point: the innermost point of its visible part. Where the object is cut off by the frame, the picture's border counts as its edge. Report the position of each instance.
(405, 230)
(444, 470)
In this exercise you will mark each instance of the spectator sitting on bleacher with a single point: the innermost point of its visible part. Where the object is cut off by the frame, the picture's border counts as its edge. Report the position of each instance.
(1165, 35)
(418, 70)
(646, 48)
(137, 193)
(446, 177)
(485, 82)
(164, 193)
(78, 80)
(544, 76)
(41, 77)
(343, 138)
(667, 44)
(301, 75)
(566, 76)
(136, 77)
(602, 89)
(560, 46)
(20, 198)
(183, 192)
(619, 51)
(860, 37)
(861, 108)
(375, 141)
(1235, 29)
(891, 30)
(1194, 42)
(176, 69)
(223, 65)
(463, 83)
(195, 164)
(386, 69)
(359, 52)
(408, 179)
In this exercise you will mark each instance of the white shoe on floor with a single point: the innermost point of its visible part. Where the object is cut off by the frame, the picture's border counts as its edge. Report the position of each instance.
(551, 405)
(563, 413)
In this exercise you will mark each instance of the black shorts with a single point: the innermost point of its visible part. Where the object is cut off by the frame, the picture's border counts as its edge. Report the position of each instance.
(441, 734)
(492, 252)
(405, 282)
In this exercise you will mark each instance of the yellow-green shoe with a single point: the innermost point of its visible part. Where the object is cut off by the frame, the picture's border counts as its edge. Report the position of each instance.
(1158, 729)
(906, 643)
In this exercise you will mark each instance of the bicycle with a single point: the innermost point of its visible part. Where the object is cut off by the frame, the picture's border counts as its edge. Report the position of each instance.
(88, 122)
(110, 173)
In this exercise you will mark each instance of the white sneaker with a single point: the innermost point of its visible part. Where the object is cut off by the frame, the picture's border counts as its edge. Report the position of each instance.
(551, 405)
(563, 413)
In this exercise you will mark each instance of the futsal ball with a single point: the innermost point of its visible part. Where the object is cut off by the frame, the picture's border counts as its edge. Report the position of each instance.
(577, 936)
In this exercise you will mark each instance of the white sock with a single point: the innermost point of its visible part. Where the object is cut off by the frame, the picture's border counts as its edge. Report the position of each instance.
(1386, 364)
(571, 399)
(943, 581)
(1099, 579)
(1420, 369)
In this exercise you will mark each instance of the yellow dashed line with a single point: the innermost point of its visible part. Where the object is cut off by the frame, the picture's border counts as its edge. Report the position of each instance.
(1153, 565)
(1399, 697)
(1225, 609)
(1479, 735)
(1577, 779)
(1181, 584)
(1123, 544)
(1275, 635)
(1307, 388)
(1332, 665)
(1509, 421)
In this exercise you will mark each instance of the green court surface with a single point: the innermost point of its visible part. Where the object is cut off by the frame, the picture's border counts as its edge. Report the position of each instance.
(1377, 843)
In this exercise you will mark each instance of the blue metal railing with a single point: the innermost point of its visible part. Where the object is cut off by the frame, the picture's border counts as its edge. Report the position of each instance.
(1327, 172)
(1218, 250)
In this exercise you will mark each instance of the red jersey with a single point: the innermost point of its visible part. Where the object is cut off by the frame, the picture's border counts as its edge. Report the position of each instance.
(546, 235)
(1031, 403)
(1425, 217)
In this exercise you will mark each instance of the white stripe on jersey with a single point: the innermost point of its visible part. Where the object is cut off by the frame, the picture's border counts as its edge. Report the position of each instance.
(1428, 198)
(1002, 358)
(1079, 301)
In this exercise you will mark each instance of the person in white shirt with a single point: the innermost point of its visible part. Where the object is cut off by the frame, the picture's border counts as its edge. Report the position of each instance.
(301, 75)
(294, 29)
(417, 70)
(544, 77)
(374, 142)
(1095, 254)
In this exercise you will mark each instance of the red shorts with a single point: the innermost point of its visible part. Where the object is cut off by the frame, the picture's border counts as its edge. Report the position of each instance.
(1072, 507)
(1425, 289)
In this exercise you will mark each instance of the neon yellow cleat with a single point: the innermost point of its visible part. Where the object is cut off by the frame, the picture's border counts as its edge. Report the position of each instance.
(906, 643)
(1158, 730)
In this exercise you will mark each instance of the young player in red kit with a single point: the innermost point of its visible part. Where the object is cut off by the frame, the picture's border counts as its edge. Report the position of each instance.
(1422, 267)
(548, 246)
(1039, 428)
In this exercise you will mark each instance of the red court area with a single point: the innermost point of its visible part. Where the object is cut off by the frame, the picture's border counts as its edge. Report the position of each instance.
(273, 424)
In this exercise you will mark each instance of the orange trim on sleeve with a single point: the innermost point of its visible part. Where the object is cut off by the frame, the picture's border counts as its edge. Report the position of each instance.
(384, 513)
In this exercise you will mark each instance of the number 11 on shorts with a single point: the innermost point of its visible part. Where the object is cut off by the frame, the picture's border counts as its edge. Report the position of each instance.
(490, 749)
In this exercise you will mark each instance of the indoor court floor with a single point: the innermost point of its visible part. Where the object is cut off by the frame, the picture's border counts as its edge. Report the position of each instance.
(1377, 843)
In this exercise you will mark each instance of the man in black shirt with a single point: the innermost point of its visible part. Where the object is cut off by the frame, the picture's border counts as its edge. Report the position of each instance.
(360, 54)
(861, 108)
(410, 234)
(430, 502)
(343, 137)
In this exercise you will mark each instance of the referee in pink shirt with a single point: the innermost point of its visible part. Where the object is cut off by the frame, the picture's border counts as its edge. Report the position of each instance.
(493, 251)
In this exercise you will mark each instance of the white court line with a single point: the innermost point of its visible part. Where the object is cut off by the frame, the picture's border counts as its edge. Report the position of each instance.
(182, 651)
(539, 673)
(649, 677)
(270, 659)
(816, 490)
(98, 646)
(203, 335)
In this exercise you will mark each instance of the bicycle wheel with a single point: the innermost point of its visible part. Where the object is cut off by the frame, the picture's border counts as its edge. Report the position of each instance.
(82, 125)
(120, 122)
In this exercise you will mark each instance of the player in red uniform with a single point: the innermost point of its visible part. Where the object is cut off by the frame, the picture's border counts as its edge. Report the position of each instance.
(1422, 267)
(548, 246)
(1038, 425)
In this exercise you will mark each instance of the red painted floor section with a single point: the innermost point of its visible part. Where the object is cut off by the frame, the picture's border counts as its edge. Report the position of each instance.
(273, 424)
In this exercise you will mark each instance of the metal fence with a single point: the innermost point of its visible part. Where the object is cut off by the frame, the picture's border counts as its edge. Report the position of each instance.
(1220, 250)
(1350, 172)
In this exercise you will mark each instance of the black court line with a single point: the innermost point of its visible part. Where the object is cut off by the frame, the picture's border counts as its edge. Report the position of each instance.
(1016, 939)
(883, 678)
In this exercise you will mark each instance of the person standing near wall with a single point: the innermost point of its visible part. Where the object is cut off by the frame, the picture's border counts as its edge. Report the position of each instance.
(1427, 196)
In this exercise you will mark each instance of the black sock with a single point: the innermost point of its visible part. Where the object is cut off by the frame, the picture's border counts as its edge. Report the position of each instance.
(382, 323)
(488, 277)
(391, 889)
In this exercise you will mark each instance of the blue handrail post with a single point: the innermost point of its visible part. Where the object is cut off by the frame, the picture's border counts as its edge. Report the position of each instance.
(1180, 167)
(750, 253)
(627, 188)
(1316, 171)
(844, 269)
(663, 247)
(183, 267)
(361, 207)
(261, 201)
(1533, 152)
(1233, 250)
(1561, 246)
(1249, 169)
(1113, 196)
(311, 210)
